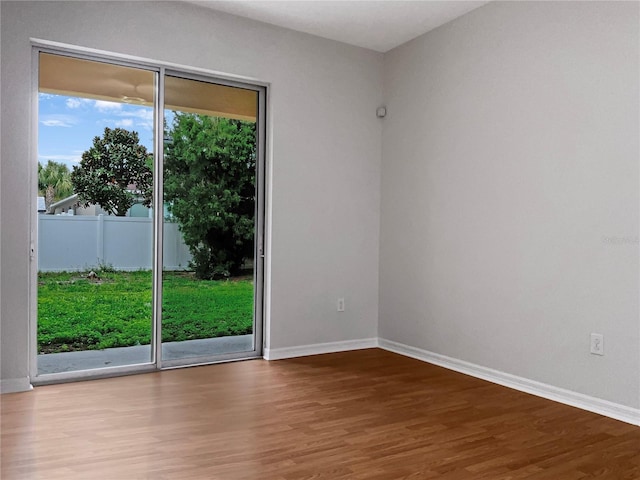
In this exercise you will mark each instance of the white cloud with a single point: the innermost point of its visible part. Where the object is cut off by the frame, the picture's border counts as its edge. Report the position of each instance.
(143, 116)
(45, 96)
(145, 125)
(58, 120)
(143, 113)
(125, 116)
(76, 102)
(54, 123)
(73, 103)
(140, 118)
(104, 106)
(124, 123)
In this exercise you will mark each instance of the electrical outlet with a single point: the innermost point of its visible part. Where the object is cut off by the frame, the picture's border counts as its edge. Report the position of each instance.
(341, 304)
(597, 344)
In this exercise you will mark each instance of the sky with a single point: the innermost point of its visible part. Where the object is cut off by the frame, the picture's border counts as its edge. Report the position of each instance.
(67, 125)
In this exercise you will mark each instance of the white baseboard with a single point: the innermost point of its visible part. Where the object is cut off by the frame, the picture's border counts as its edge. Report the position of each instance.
(13, 385)
(319, 348)
(561, 395)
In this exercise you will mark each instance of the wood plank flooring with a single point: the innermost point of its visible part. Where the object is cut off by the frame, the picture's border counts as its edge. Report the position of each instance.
(368, 414)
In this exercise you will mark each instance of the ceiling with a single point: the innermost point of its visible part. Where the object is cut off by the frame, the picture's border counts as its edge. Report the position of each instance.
(378, 25)
(76, 77)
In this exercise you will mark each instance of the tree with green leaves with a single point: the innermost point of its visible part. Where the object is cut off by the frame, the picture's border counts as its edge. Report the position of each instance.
(54, 182)
(115, 172)
(209, 186)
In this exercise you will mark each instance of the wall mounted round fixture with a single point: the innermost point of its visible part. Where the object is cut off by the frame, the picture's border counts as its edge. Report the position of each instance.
(381, 112)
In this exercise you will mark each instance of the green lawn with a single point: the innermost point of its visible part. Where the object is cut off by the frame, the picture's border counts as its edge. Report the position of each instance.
(114, 310)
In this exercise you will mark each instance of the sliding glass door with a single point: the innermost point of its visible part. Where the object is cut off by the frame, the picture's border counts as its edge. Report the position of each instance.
(94, 231)
(148, 237)
(210, 197)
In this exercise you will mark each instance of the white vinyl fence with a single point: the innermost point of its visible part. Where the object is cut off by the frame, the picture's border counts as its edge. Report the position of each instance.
(78, 243)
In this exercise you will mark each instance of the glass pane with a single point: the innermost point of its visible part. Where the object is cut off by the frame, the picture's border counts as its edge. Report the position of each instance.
(209, 228)
(95, 149)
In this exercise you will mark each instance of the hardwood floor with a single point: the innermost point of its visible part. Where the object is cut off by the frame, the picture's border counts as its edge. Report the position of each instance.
(368, 414)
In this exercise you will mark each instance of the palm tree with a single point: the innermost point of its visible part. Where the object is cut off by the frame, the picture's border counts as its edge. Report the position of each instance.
(54, 182)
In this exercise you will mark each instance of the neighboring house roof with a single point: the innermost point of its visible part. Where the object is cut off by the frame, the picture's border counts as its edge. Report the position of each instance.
(65, 202)
(42, 206)
(71, 201)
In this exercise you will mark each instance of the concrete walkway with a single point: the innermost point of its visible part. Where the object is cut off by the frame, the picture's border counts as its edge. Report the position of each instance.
(113, 357)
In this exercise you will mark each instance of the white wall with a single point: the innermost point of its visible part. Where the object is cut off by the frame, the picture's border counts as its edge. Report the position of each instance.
(325, 152)
(510, 160)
